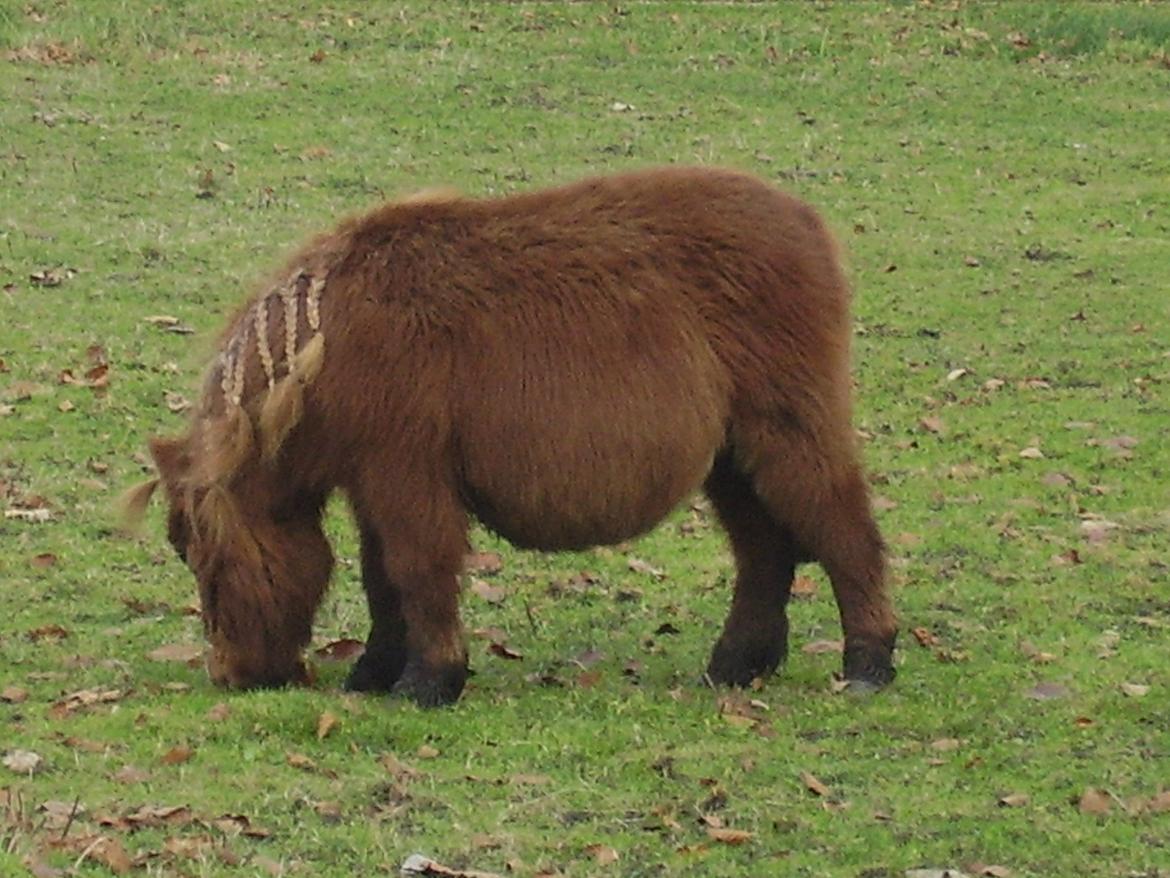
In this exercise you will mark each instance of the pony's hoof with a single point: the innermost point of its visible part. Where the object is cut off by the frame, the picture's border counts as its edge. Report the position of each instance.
(432, 687)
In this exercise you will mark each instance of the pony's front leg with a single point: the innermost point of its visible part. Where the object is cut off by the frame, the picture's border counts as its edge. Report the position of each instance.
(382, 663)
(412, 554)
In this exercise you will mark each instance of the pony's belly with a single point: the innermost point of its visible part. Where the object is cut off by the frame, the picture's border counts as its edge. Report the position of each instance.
(581, 500)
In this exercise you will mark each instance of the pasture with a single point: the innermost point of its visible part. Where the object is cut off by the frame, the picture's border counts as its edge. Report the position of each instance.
(997, 176)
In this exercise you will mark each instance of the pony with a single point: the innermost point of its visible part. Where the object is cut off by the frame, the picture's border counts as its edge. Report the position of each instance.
(566, 366)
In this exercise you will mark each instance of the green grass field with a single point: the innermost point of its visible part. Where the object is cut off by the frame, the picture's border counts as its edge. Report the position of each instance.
(999, 177)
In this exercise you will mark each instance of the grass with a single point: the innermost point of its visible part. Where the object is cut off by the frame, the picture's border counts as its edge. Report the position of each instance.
(997, 175)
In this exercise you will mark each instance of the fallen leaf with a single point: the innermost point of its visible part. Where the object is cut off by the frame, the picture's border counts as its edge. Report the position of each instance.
(187, 653)
(326, 723)
(637, 565)
(398, 769)
(342, 650)
(724, 835)
(813, 784)
(22, 761)
(1097, 530)
(43, 561)
(483, 563)
(110, 853)
(36, 516)
(1094, 801)
(956, 374)
(219, 712)
(1160, 803)
(52, 277)
(493, 594)
(944, 745)
(1047, 692)
(128, 774)
(820, 647)
(13, 695)
(330, 812)
(1031, 453)
(932, 424)
(177, 755)
(417, 864)
(426, 751)
(1135, 690)
(804, 587)
(505, 652)
(925, 637)
(301, 761)
(1013, 800)
(176, 402)
(1033, 652)
(47, 632)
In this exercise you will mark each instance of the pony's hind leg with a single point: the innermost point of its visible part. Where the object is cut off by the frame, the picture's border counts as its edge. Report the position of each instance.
(817, 491)
(382, 663)
(755, 636)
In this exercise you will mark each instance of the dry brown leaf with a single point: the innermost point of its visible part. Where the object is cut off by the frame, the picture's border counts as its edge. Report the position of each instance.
(22, 761)
(813, 784)
(493, 594)
(602, 854)
(398, 769)
(1093, 801)
(1014, 800)
(128, 774)
(342, 650)
(110, 853)
(483, 563)
(1047, 692)
(177, 755)
(326, 723)
(187, 653)
(13, 695)
(505, 652)
(819, 647)
(1160, 803)
(925, 636)
(804, 587)
(637, 565)
(933, 424)
(1135, 690)
(723, 835)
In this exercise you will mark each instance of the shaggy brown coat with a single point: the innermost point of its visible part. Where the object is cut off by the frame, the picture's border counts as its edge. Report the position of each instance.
(566, 366)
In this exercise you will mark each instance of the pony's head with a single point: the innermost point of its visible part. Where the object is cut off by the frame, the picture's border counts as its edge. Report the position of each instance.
(237, 513)
(260, 559)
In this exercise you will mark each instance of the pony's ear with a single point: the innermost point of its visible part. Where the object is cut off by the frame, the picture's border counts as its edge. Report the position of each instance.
(171, 459)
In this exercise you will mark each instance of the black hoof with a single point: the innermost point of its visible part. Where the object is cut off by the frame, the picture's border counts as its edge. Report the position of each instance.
(375, 673)
(869, 666)
(735, 663)
(432, 687)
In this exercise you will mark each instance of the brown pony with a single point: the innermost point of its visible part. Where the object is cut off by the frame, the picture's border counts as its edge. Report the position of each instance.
(565, 366)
